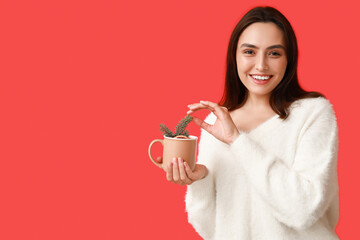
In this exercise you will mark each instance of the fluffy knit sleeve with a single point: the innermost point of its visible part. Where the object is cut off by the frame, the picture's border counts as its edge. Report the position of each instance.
(298, 195)
(200, 196)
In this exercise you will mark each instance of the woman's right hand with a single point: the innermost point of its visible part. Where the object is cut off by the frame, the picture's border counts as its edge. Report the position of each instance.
(179, 172)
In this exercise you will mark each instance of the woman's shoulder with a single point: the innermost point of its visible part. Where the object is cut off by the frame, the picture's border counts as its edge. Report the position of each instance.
(311, 104)
(312, 107)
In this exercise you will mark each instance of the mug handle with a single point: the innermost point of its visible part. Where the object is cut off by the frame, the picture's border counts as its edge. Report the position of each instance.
(154, 141)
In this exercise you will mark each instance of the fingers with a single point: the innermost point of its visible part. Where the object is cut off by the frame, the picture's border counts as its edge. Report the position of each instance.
(210, 104)
(176, 172)
(224, 128)
(213, 107)
(202, 124)
(198, 173)
(198, 106)
(218, 110)
(183, 176)
(188, 171)
(179, 172)
(169, 173)
(182, 173)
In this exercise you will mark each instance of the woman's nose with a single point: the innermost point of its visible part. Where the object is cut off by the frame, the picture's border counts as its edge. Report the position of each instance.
(261, 64)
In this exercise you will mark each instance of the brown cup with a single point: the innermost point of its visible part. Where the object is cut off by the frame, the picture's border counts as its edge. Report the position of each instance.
(176, 147)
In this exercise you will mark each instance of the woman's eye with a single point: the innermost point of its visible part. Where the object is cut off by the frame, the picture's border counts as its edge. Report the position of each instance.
(275, 54)
(249, 52)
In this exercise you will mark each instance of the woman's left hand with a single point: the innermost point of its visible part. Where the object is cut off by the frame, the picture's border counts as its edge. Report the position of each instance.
(224, 127)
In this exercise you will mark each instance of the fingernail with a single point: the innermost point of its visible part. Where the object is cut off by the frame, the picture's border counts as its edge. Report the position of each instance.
(174, 160)
(179, 160)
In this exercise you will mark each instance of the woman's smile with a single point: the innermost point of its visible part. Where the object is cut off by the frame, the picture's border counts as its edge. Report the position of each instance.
(260, 79)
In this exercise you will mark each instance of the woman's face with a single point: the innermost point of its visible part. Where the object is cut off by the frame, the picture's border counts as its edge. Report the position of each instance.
(261, 58)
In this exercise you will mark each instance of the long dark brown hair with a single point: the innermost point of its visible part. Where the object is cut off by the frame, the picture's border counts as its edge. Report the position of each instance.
(288, 90)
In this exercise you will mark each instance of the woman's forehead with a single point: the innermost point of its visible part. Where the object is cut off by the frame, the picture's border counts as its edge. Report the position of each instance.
(262, 35)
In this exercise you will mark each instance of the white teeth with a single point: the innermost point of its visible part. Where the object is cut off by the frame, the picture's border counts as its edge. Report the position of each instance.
(260, 77)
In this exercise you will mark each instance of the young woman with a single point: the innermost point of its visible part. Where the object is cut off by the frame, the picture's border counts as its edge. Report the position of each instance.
(267, 163)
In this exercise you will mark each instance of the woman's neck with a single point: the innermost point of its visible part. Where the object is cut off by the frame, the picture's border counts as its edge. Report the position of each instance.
(257, 102)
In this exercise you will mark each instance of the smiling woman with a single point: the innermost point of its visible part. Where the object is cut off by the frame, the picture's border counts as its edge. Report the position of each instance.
(281, 39)
(267, 163)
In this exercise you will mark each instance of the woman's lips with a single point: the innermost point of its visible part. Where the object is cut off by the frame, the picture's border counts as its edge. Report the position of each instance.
(260, 79)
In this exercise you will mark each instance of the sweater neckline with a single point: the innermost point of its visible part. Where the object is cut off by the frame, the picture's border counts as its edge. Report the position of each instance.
(261, 125)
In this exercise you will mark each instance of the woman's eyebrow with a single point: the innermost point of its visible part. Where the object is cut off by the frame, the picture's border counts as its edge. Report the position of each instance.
(276, 46)
(253, 46)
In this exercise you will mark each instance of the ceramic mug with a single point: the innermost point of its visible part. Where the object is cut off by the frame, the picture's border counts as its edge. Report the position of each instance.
(176, 147)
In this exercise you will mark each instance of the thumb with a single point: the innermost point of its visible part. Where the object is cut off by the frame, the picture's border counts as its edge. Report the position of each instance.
(202, 124)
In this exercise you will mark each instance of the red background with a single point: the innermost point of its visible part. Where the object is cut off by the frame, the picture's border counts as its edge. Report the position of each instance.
(85, 84)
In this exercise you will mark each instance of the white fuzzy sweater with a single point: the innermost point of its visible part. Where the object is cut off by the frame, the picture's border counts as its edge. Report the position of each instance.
(278, 181)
